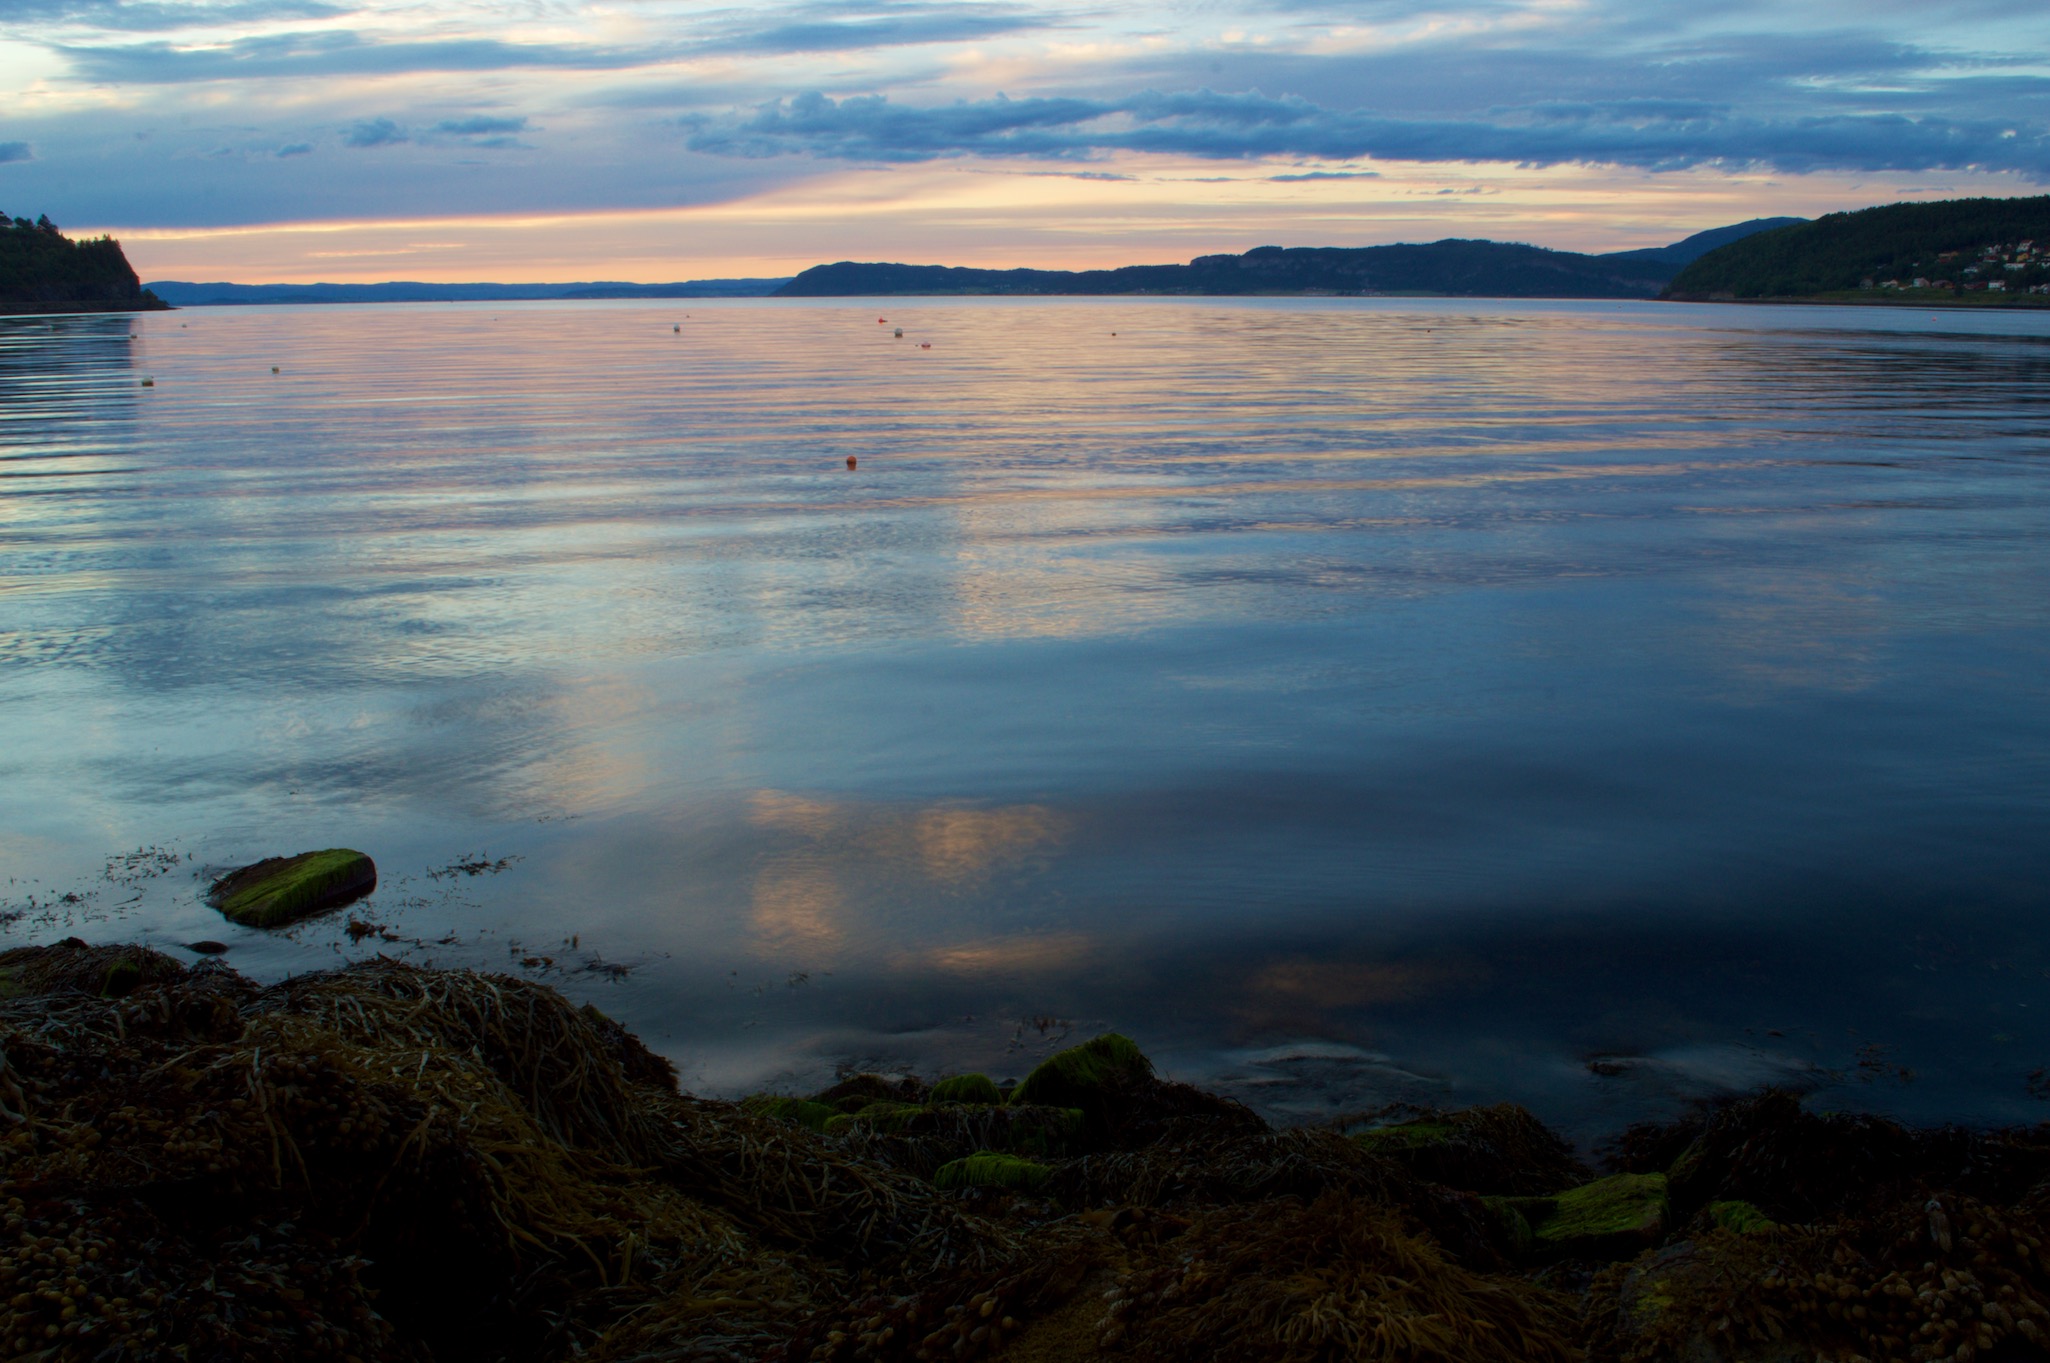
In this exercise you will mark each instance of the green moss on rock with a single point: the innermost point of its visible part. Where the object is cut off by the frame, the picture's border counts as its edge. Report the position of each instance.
(1610, 1217)
(1081, 1076)
(1500, 1150)
(798, 1111)
(990, 1170)
(1383, 1140)
(967, 1088)
(1511, 1226)
(121, 979)
(281, 890)
(1740, 1217)
(878, 1115)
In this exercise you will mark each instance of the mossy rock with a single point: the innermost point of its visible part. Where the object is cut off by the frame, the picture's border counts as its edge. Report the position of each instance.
(991, 1170)
(1614, 1217)
(281, 890)
(1741, 1218)
(1512, 1228)
(1042, 1130)
(798, 1111)
(1403, 1137)
(967, 1088)
(1083, 1076)
(857, 1091)
(1500, 1150)
(121, 979)
(880, 1114)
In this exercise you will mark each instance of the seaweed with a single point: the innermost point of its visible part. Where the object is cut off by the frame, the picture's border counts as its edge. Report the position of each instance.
(1336, 1278)
(393, 1163)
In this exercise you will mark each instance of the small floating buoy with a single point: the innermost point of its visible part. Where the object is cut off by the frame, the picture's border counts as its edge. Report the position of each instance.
(900, 331)
(850, 461)
(149, 383)
(677, 329)
(925, 345)
(882, 321)
(273, 369)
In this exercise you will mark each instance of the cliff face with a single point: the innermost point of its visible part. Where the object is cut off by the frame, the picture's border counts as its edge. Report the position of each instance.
(42, 270)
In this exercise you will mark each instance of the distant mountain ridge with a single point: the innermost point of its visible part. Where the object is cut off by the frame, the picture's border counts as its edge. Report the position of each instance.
(185, 294)
(1953, 250)
(42, 270)
(1457, 267)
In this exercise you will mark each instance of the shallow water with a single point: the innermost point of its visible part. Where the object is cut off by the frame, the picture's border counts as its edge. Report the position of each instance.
(1353, 700)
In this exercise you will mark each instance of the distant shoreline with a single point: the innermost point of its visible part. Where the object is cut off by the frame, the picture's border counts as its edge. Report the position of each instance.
(72, 309)
(1970, 303)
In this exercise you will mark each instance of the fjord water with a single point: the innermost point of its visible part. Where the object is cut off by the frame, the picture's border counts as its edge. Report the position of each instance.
(1352, 700)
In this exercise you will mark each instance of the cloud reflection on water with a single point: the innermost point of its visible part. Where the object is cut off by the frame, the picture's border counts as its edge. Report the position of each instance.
(1250, 678)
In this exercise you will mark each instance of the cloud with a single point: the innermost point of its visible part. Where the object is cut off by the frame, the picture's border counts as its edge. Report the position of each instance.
(131, 16)
(480, 126)
(1326, 175)
(823, 28)
(309, 55)
(16, 151)
(1245, 125)
(295, 149)
(374, 132)
(303, 55)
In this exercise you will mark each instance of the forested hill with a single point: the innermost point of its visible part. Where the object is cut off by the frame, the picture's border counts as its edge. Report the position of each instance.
(1916, 252)
(1475, 269)
(42, 270)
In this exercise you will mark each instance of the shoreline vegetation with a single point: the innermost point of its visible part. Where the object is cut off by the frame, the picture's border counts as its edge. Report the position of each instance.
(391, 1162)
(43, 271)
(1976, 253)
(1955, 253)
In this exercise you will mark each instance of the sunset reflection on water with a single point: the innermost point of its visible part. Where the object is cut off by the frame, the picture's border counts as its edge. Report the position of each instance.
(1350, 699)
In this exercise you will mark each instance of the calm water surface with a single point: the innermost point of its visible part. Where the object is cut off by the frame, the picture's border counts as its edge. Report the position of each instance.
(1591, 704)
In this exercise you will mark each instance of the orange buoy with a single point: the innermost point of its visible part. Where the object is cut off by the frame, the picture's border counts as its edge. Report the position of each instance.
(850, 461)
(882, 321)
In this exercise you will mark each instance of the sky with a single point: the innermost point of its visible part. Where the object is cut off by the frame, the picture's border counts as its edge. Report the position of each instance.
(655, 140)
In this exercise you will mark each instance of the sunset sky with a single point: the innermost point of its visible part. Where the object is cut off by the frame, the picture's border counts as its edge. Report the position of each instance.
(522, 140)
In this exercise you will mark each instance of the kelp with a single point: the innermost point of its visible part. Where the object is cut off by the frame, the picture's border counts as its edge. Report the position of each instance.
(1336, 1279)
(386, 1162)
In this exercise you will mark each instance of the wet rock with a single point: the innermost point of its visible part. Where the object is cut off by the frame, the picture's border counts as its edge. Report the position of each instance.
(209, 947)
(280, 890)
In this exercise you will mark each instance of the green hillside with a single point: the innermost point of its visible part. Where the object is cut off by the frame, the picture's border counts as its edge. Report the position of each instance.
(1961, 250)
(42, 270)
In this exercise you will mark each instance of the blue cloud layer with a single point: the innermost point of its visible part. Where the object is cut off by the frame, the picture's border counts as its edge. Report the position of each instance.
(143, 16)
(1238, 125)
(390, 106)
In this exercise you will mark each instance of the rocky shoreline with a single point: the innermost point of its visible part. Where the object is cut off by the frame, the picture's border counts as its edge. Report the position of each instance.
(387, 1162)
